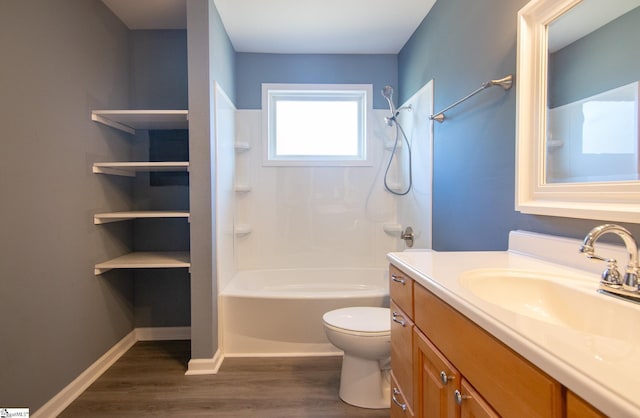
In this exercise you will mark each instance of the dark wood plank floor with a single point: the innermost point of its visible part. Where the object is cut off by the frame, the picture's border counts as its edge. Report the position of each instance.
(149, 381)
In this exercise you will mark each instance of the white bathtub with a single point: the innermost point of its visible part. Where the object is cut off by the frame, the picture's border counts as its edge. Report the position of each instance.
(279, 312)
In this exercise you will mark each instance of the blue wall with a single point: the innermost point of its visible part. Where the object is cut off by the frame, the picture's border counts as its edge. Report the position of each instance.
(575, 71)
(223, 60)
(461, 44)
(253, 69)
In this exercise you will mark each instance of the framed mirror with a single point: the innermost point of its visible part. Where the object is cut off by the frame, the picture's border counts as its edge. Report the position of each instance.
(578, 138)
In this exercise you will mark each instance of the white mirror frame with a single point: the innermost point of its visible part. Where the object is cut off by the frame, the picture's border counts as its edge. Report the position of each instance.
(611, 201)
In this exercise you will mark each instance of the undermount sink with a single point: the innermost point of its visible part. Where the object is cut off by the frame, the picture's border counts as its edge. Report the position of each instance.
(545, 297)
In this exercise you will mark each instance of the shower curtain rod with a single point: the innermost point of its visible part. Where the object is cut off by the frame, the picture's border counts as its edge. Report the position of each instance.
(505, 83)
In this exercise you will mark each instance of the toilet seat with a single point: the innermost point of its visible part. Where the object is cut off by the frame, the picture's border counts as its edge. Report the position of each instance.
(362, 320)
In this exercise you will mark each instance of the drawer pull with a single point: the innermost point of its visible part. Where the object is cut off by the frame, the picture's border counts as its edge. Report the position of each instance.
(397, 279)
(459, 397)
(402, 406)
(394, 317)
(444, 378)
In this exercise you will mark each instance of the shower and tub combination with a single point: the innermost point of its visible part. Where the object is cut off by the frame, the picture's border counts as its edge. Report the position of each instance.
(304, 241)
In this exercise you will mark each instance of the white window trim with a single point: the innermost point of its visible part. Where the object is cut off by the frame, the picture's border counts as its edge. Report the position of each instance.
(365, 160)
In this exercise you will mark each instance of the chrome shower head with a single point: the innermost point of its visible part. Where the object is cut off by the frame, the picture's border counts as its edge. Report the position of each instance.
(387, 93)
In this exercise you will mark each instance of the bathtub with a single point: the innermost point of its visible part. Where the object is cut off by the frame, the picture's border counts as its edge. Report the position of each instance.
(279, 312)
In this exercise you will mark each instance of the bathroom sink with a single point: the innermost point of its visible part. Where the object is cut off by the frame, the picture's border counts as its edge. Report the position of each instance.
(556, 300)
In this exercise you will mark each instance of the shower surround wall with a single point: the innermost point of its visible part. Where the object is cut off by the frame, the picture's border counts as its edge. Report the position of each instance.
(311, 217)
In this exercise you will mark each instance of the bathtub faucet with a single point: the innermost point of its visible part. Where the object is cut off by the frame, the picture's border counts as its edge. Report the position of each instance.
(611, 280)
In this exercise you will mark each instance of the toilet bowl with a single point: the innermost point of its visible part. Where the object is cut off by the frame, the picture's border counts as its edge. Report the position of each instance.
(364, 335)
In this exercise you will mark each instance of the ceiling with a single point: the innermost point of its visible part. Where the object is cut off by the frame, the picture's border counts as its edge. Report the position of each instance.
(293, 26)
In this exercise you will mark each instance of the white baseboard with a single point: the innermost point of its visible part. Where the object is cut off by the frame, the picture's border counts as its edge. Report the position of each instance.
(58, 403)
(205, 366)
(63, 399)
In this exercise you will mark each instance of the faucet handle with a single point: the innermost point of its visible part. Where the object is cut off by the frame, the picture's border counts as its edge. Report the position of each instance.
(630, 282)
(611, 275)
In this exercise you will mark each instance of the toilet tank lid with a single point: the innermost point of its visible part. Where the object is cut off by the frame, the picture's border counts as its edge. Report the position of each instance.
(360, 318)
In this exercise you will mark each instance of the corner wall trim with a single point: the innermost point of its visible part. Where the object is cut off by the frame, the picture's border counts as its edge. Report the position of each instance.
(59, 402)
(73, 390)
(205, 366)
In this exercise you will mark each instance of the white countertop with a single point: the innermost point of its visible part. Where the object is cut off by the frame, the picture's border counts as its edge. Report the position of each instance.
(603, 370)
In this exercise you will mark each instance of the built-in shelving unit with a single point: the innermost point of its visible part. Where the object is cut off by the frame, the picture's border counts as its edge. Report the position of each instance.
(137, 260)
(129, 121)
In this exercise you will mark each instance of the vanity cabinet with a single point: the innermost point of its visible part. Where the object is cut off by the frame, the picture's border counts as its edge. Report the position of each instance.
(460, 370)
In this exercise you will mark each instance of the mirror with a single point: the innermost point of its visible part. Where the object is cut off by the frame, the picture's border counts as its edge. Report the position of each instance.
(577, 113)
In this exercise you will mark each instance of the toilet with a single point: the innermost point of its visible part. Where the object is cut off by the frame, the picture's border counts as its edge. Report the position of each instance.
(364, 335)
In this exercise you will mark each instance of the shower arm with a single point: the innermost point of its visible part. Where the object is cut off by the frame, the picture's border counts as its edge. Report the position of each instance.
(505, 83)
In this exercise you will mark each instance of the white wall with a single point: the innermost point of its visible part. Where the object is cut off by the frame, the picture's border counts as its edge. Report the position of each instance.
(225, 174)
(311, 216)
(414, 209)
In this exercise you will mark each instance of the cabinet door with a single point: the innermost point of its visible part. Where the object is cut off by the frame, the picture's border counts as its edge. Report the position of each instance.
(578, 408)
(471, 403)
(436, 381)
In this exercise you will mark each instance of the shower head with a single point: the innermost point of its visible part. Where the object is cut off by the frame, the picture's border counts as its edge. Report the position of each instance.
(387, 93)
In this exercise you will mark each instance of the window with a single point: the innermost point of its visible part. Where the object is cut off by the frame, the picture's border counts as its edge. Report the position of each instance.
(315, 124)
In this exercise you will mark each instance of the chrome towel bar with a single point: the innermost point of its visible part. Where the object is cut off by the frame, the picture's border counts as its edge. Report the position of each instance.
(505, 83)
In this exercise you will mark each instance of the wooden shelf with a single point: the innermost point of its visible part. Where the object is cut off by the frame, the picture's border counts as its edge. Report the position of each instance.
(138, 260)
(130, 169)
(103, 218)
(130, 120)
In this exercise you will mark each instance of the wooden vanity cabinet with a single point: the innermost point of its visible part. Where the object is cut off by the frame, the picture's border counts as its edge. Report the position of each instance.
(460, 370)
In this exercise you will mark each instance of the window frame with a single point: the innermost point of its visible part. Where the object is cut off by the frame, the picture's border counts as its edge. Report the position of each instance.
(272, 93)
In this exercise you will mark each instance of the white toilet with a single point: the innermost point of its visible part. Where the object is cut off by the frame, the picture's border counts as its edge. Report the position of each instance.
(364, 334)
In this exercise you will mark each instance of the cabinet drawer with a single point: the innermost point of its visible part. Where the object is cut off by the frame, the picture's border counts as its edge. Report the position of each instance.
(399, 406)
(401, 290)
(402, 351)
(508, 382)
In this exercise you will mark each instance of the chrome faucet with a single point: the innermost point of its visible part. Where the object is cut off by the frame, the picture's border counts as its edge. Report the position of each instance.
(611, 280)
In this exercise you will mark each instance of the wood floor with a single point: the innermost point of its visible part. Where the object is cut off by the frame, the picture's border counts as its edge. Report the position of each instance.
(149, 381)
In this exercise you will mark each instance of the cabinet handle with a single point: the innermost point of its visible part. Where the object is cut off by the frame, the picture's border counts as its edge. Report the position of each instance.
(459, 397)
(394, 317)
(444, 378)
(397, 279)
(402, 406)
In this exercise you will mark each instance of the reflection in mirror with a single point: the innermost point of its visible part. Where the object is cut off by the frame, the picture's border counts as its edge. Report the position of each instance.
(592, 97)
